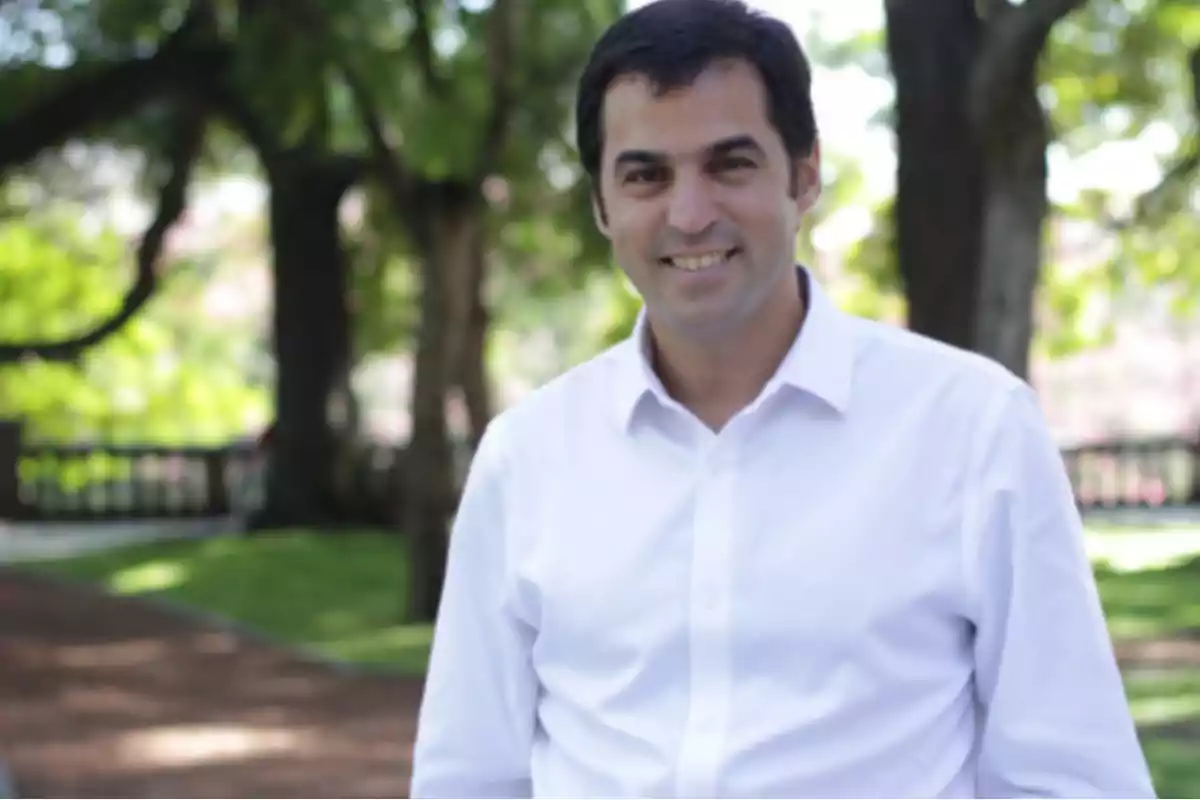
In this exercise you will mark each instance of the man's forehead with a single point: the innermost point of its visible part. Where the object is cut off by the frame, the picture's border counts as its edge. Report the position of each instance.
(633, 151)
(720, 104)
(679, 139)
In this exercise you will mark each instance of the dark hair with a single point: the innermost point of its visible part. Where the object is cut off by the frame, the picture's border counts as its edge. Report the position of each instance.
(671, 42)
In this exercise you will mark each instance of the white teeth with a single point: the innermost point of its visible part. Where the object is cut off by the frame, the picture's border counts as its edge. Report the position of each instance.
(695, 263)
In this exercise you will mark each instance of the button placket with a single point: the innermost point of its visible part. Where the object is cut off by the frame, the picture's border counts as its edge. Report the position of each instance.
(713, 532)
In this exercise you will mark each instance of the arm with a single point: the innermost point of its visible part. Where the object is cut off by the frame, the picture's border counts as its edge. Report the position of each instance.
(1055, 720)
(475, 729)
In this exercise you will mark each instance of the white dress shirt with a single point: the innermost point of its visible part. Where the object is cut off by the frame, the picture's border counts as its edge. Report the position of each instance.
(871, 583)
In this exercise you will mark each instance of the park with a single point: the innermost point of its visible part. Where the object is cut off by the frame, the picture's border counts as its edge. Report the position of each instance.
(268, 271)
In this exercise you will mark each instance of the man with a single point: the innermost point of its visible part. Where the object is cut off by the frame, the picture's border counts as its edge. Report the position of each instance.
(762, 548)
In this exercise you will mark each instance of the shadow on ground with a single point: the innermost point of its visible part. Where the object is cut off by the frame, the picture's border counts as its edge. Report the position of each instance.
(126, 700)
(1154, 615)
(108, 697)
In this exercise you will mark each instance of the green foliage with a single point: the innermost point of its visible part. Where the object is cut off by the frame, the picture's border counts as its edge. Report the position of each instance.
(443, 120)
(1114, 71)
(1115, 67)
(1117, 71)
(384, 285)
(171, 375)
(542, 241)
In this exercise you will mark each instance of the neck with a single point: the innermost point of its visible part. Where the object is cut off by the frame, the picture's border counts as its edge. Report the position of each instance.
(716, 377)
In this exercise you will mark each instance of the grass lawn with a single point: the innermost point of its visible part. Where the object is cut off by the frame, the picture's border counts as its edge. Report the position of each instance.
(343, 596)
(1150, 584)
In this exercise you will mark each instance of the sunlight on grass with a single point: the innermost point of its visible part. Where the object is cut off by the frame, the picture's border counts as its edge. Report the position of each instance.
(154, 576)
(1125, 550)
(1163, 696)
(342, 595)
(1165, 710)
(406, 646)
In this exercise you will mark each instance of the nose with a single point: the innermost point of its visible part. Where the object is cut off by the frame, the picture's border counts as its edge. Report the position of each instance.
(692, 206)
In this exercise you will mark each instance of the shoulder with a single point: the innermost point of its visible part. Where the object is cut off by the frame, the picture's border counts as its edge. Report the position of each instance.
(897, 348)
(898, 363)
(546, 415)
(960, 403)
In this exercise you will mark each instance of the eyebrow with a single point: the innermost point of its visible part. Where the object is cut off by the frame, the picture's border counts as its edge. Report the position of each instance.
(718, 148)
(734, 143)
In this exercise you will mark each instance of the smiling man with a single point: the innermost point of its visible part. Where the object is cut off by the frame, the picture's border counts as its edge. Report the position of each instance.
(761, 548)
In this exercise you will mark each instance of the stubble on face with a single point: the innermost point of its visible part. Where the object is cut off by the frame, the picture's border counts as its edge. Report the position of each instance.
(698, 201)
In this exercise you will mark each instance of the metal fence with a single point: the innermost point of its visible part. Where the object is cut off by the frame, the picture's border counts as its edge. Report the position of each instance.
(95, 482)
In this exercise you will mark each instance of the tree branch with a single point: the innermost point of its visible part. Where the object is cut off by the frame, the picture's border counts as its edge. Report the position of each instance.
(1161, 200)
(385, 155)
(1166, 197)
(183, 151)
(217, 95)
(502, 24)
(422, 38)
(104, 96)
(1194, 68)
(994, 8)
(1016, 35)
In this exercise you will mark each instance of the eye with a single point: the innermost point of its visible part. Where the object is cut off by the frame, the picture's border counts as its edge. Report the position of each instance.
(646, 175)
(731, 163)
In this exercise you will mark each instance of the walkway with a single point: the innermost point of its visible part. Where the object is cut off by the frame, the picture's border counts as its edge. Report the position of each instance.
(106, 696)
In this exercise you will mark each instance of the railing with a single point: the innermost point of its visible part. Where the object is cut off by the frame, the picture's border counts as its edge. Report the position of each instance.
(62, 482)
(99, 482)
(1136, 473)
(78, 482)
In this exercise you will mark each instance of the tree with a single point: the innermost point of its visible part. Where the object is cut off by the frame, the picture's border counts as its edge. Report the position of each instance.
(462, 126)
(169, 376)
(972, 137)
(933, 47)
(89, 96)
(1147, 75)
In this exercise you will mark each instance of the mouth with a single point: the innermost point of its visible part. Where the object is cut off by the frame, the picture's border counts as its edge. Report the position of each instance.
(701, 261)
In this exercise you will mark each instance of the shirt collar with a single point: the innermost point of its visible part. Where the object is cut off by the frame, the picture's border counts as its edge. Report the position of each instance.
(820, 362)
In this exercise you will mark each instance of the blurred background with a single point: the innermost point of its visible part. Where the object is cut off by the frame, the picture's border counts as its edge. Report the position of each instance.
(267, 270)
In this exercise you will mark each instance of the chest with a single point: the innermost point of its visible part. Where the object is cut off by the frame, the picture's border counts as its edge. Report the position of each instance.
(813, 560)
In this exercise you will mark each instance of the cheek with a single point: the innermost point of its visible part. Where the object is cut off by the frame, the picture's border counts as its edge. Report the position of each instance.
(631, 227)
(765, 219)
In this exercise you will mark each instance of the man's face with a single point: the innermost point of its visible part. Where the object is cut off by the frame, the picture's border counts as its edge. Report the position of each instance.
(697, 197)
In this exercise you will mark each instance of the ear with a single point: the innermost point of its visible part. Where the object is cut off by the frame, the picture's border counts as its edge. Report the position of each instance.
(599, 214)
(808, 172)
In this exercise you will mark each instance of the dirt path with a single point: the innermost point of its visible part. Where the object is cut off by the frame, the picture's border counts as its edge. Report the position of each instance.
(107, 697)
(102, 696)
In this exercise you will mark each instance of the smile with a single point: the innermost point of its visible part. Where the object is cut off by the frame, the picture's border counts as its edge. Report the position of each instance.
(699, 262)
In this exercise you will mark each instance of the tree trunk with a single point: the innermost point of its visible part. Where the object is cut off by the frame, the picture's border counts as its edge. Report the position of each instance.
(473, 378)
(10, 461)
(971, 195)
(311, 336)
(1016, 134)
(1016, 209)
(1194, 494)
(933, 46)
(449, 223)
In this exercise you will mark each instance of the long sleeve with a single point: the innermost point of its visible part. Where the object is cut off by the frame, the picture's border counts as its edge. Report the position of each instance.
(475, 728)
(1055, 719)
